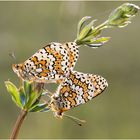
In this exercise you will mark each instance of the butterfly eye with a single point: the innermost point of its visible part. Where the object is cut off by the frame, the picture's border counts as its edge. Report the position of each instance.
(15, 66)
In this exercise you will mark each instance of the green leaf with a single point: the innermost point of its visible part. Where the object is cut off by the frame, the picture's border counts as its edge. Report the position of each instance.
(86, 30)
(36, 101)
(23, 99)
(45, 109)
(101, 40)
(92, 35)
(39, 107)
(32, 99)
(97, 42)
(81, 23)
(94, 45)
(28, 89)
(12, 89)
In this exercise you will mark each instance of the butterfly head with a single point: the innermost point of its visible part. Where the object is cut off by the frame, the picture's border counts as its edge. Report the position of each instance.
(57, 106)
(19, 70)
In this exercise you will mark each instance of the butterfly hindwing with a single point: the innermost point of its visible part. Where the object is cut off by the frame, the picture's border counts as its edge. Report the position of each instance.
(77, 89)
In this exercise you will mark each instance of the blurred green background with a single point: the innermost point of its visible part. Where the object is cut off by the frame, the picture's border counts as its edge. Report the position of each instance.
(27, 26)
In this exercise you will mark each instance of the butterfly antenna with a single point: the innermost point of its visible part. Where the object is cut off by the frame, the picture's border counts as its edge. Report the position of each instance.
(76, 120)
(12, 55)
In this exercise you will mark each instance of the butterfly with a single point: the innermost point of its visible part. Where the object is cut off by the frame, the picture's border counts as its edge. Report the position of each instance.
(50, 64)
(75, 90)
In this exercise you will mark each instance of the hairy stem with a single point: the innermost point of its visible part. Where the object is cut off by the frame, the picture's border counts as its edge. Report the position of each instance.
(18, 124)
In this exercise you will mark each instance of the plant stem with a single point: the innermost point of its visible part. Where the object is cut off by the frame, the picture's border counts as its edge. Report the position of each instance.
(101, 26)
(18, 124)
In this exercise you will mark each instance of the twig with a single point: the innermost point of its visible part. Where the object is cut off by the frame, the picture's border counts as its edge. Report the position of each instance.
(18, 124)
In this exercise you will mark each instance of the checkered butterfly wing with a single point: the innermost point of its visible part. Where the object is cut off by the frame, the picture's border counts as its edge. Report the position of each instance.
(49, 64)
(77, 89)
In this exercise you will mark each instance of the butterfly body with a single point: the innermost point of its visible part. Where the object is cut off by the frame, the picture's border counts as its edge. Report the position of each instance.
(52, 63)
(76, 89)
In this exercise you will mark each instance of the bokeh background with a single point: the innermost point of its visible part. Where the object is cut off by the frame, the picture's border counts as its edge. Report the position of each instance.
(27, 26)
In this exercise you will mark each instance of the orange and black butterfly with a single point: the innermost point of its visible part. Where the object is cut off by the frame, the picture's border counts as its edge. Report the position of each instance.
(75, 90)
(50, 64)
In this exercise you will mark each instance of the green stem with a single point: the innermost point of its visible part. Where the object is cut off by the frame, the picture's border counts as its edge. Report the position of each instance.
(18, 124)
(101, 26)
